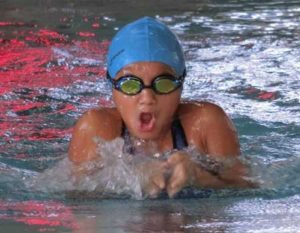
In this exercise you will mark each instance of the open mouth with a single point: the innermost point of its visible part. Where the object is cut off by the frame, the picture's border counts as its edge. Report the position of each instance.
(147, 121)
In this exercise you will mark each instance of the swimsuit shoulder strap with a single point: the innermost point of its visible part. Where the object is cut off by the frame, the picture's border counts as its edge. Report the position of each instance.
(128, 147)
(178, 135)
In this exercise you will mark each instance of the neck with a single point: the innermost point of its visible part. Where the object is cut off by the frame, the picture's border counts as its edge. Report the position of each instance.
(151, 147)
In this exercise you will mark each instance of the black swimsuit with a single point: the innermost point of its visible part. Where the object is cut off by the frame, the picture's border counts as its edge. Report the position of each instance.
(178, 137)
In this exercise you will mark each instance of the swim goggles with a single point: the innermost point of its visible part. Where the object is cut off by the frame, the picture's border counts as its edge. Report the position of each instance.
(133, 85)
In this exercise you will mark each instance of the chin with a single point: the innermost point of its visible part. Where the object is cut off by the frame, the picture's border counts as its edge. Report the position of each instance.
(146, 135)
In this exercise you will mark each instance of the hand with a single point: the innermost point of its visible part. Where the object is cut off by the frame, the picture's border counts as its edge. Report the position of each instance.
(182, 172)
(153, 176)
(185, 172)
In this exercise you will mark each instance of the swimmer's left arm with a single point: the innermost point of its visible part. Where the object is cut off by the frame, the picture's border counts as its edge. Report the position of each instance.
(222, 143)
(187, 172)
(220, 140)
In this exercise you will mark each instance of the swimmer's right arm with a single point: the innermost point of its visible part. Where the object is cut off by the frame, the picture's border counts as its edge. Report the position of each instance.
(106, 124)
(96, 123)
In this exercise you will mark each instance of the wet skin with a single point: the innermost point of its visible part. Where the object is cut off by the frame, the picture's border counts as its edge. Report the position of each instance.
(148, 116)
(161, 108)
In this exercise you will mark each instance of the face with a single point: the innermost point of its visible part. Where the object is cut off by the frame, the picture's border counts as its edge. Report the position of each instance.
(147, 115)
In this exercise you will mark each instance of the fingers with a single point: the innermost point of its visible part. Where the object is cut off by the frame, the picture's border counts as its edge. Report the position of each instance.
(156, 182)
(182, 173)
(159, 180)
(177, 181)
(152, 191)
(171, 175)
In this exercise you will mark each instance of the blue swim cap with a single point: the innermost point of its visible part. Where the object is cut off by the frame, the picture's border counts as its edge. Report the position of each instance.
(145, 40)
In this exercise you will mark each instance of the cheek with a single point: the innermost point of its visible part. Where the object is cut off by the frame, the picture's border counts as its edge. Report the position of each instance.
(169, 104)
(124, 104)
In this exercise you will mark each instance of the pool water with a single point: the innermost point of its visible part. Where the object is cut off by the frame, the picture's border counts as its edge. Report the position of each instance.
(242, 55)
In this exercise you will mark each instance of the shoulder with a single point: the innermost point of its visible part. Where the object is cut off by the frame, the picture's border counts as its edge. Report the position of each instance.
(201, 111)
(209, 128)
(103, 122)
(97, 114)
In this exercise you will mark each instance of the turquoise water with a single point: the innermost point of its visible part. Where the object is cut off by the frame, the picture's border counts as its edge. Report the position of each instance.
(242, 55)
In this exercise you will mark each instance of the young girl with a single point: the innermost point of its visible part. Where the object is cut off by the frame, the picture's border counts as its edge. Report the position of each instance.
(146, 68)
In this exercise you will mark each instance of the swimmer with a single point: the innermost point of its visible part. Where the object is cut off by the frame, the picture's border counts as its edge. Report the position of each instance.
(146, 69)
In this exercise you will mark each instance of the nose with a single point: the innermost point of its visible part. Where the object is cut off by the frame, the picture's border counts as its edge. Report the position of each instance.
(147, 97)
